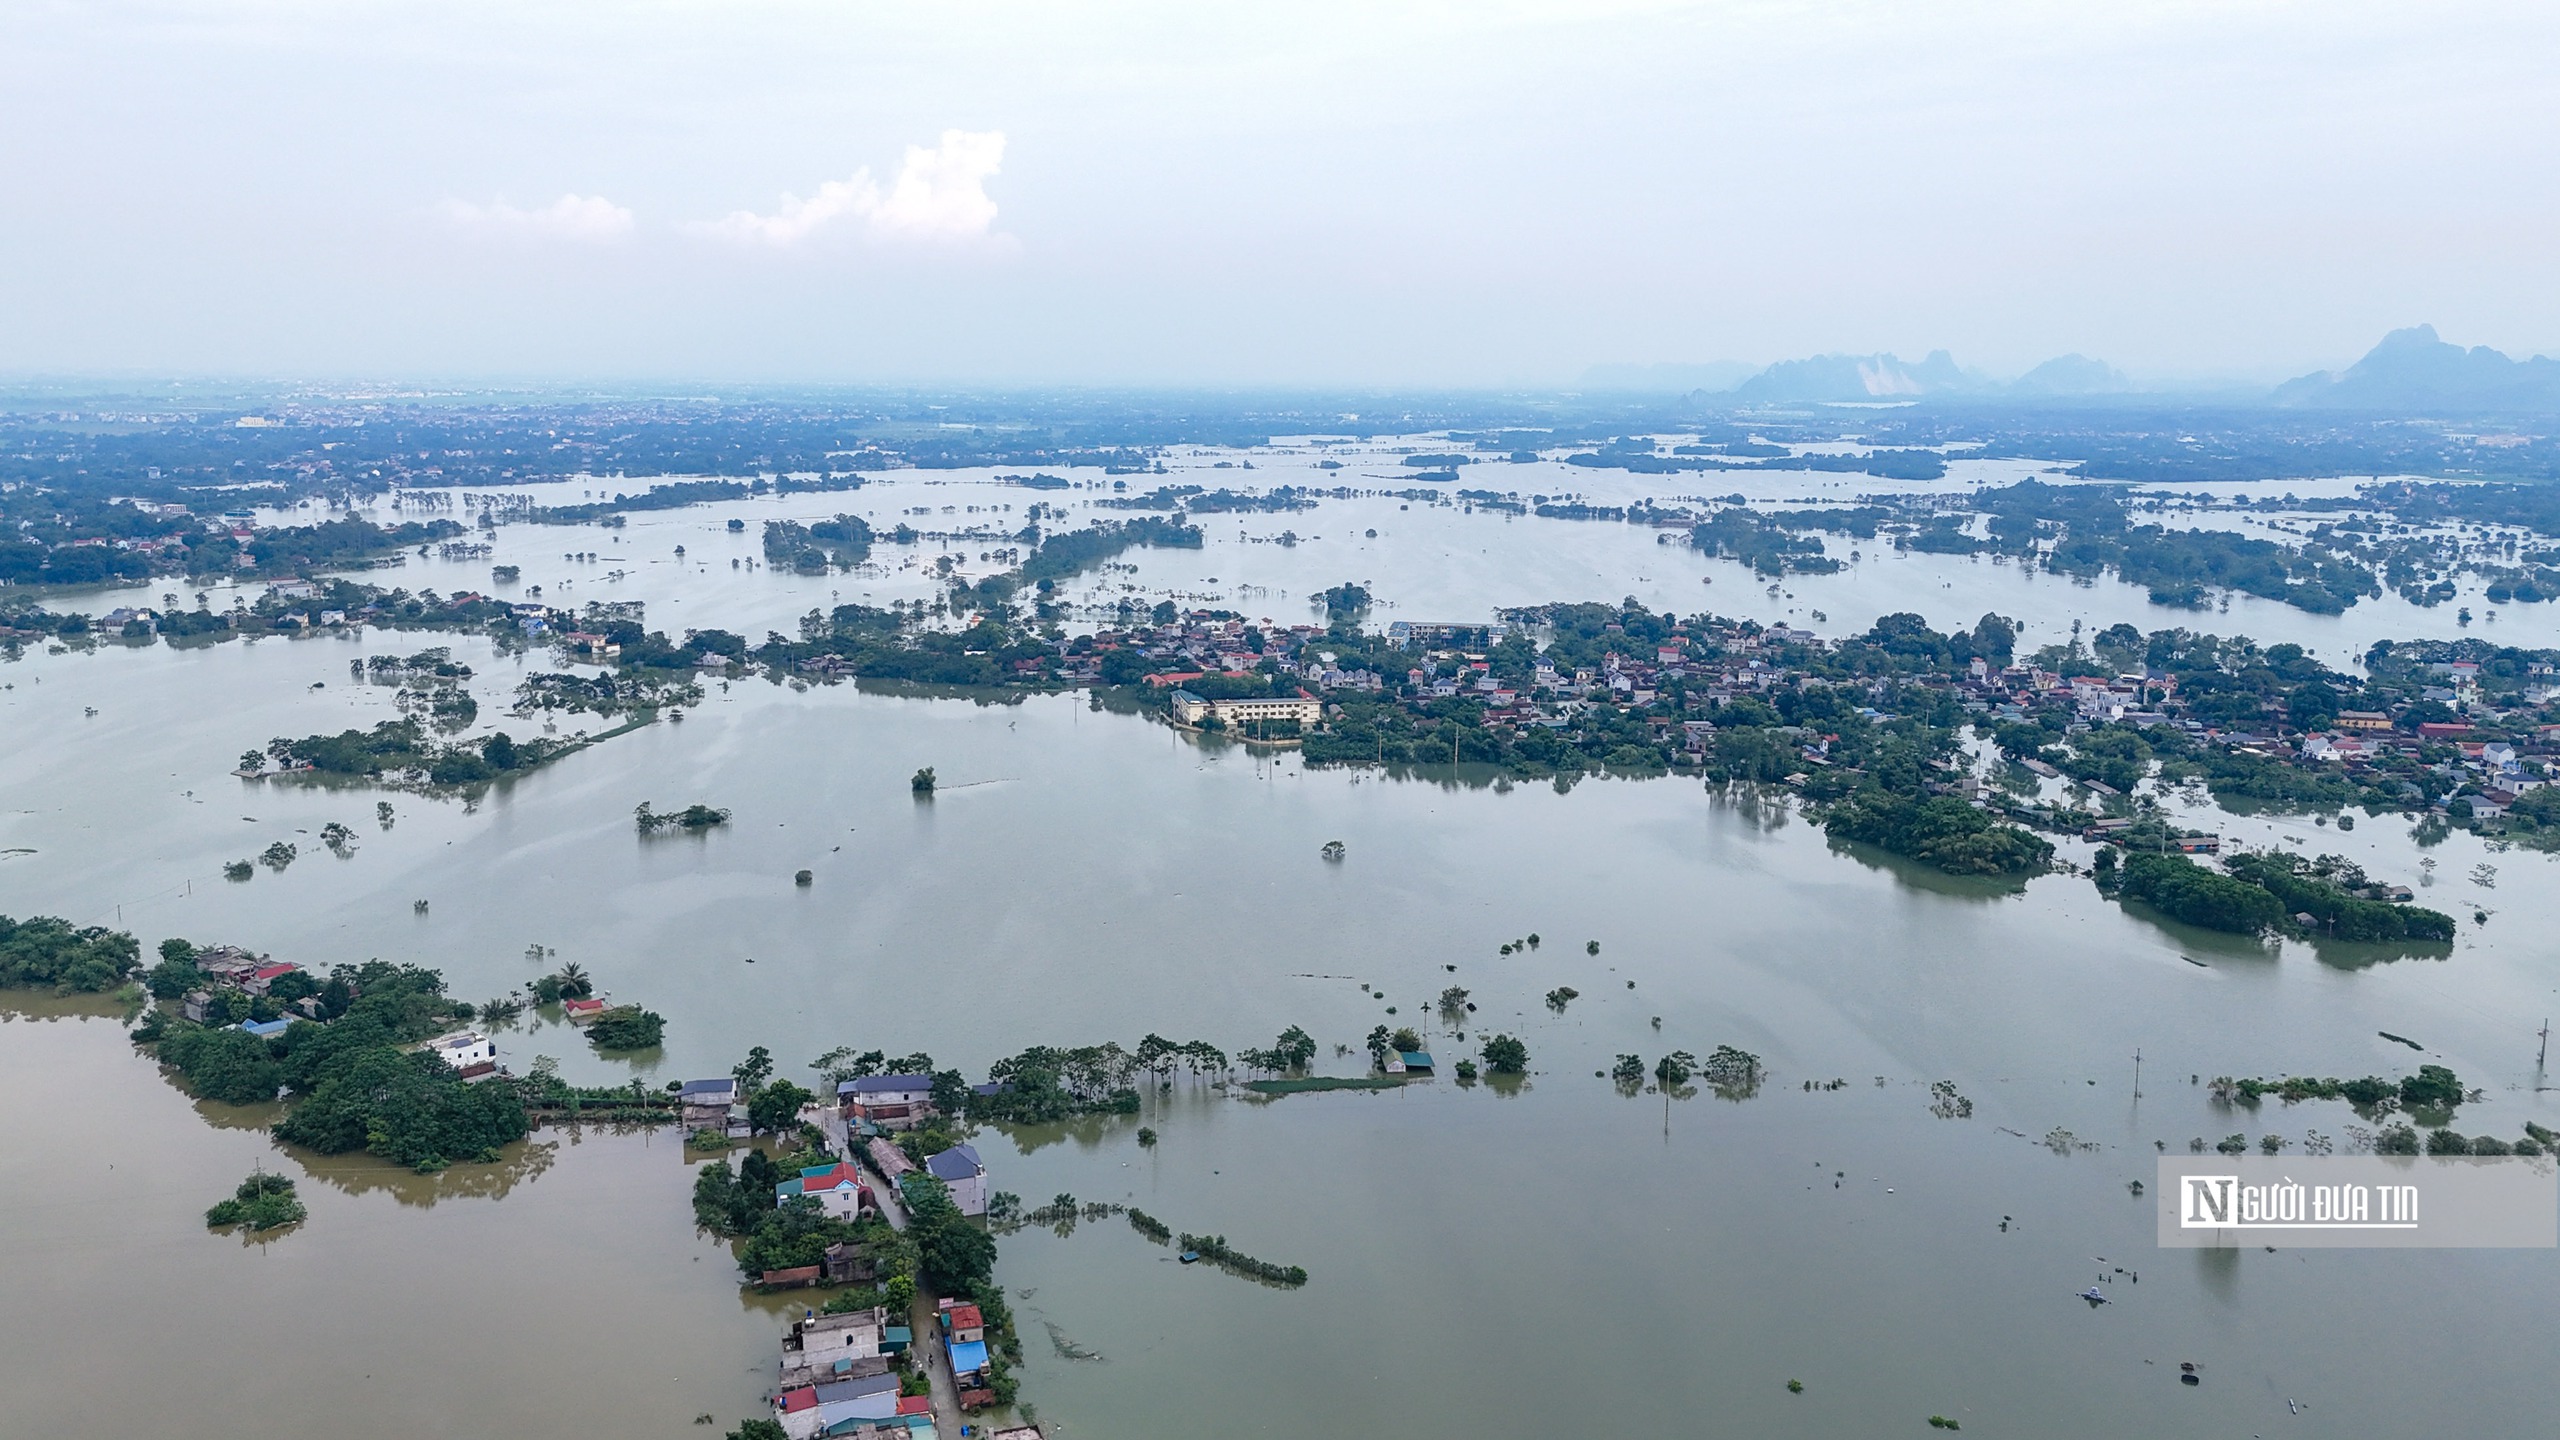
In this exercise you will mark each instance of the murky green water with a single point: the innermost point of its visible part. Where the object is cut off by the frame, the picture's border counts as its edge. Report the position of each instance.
(1481, 1262)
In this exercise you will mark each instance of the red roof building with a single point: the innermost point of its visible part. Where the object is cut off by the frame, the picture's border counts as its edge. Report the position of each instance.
(257, 981)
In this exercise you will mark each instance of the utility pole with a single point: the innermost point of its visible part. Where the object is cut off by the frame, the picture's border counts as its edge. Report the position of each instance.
(2545, 1052)
(2137, 1073)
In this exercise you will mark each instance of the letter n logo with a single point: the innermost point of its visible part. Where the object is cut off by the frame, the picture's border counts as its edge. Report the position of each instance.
(2208, 1201)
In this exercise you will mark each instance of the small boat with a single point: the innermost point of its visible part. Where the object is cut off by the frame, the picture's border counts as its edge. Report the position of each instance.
(1190, 1257)
(2093, 1296)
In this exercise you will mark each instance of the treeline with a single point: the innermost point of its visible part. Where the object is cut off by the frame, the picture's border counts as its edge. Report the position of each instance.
(356, 1084)
(1213, 1248)
(2264, 892)
(1941, 831)
(840, 543)
(872, 643)
(1888, 464)
(2434, 1087)
(403, 748)
(1761, 543)
(1073, 552)
(44, 952)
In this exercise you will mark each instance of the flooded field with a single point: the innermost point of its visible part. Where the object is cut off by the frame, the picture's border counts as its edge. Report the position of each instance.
(1483, 1259)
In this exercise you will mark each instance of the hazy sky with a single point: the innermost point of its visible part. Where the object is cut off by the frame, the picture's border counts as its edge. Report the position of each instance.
(1485, 193)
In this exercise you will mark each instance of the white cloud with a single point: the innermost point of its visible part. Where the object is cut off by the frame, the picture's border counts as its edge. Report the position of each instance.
(939, 195)
(585, 219)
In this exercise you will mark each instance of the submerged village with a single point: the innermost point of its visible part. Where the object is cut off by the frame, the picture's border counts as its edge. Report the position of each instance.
(863, 1192)
(1958, 750)
(862, 1197)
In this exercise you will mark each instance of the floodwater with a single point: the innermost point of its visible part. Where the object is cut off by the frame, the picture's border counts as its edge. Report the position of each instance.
(1483, 1260)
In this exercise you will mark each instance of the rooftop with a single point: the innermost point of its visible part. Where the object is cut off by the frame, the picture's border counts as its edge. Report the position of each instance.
(857, 1387)
(827, 1177)
(879, 1084)
(960, 1162)
(852, 1320)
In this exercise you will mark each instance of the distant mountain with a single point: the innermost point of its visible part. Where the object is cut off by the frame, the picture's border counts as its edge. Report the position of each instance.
(2414, 370)
(1669, 379)
(2072, 375)
(1857, 377)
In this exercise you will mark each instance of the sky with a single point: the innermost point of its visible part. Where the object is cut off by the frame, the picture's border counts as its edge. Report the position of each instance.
(1499, 193)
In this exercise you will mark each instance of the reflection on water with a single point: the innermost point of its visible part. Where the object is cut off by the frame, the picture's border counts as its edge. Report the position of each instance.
(1763, 810)
(2358, 954)
(361, 1174)
(43, 1007)
(230, 1117)
(1927, 880)
(382, 1313)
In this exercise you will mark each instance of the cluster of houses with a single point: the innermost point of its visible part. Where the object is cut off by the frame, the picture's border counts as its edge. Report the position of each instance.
(846, 1375)
(236, 980)
(842, 1375)
(1553, 696)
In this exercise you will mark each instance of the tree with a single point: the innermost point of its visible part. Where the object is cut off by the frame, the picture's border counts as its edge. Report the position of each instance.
(2434, 1087)
(842, 1064)
(1505, 1055)
(955, 1253)
(1295, 1049)
(2183, 890)
(922, 781)
(626, 1027)
(44, 952)
(775, 1108)
(253, 761)
(407, 1107)
(225, 1064)
(758, 1430)
(500, 751)
(262, 1202)
(756, 1069)
(1734, 1072)
(176, 974)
